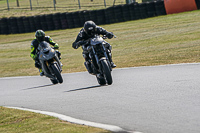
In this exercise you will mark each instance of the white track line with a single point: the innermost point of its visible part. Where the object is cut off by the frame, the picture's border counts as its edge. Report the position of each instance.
(77, 121)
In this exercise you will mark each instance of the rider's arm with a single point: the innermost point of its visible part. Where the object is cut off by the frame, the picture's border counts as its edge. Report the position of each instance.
(33, 51)
(78, 40)
(102, 31)
(50, 41)
(32, 55)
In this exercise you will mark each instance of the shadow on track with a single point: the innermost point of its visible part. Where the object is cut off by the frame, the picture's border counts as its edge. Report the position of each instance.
(38, 87)
(85, 88)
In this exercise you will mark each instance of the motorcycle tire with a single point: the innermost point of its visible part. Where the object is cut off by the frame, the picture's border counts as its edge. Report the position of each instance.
(106, 71)
(57, 73)
(54, 81)
(101, 80)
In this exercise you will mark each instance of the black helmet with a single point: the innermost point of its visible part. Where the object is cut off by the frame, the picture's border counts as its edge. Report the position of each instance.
(89, 27)
(40, 35)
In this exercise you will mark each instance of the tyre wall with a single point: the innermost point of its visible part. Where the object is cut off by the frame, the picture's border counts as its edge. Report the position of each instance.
(114, 14)
(198, 3)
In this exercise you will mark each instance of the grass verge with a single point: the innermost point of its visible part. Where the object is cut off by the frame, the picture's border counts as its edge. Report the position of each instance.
(17, 121)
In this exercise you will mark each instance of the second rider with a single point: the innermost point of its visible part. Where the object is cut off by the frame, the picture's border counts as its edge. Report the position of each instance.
(88, 31)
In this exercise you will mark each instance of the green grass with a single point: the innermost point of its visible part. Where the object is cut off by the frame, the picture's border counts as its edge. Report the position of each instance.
(17, 121)
(47, 7)
(160, 40)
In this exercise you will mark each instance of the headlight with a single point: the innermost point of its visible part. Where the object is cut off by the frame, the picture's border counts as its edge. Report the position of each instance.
(52, 50)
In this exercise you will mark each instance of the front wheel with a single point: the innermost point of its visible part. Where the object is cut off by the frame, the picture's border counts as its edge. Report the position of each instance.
(54, 81)
(106, 72)
(57, 73)
(101, 80)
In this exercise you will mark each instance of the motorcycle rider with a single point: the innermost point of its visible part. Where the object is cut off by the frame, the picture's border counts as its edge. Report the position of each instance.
(88, 31)
(39, 37)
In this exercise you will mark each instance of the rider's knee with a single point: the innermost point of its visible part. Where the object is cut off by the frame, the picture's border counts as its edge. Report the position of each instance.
(108, 46)
(37, 64)
(86, 56)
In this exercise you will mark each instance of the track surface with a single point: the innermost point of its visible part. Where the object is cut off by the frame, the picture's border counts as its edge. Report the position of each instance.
(156, 99)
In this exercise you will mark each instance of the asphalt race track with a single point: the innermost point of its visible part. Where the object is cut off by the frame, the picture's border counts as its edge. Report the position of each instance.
(155, 99)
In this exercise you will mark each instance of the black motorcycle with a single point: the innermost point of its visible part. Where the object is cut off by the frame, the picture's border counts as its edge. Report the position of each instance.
(50, 63)
(100, 63)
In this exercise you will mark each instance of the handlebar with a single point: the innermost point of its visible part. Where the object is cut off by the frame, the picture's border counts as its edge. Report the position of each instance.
(105, 37)
(85, 42)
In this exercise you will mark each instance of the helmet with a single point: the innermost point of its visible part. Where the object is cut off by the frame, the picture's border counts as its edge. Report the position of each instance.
(89, 27)
(39, 34)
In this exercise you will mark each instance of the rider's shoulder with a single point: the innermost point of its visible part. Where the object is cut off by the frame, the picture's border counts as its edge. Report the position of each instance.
(100, 29)
(34, 42)
(47, 37)
(81, 33)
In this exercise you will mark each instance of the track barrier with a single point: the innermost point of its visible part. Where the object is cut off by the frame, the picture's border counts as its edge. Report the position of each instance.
(114, 14)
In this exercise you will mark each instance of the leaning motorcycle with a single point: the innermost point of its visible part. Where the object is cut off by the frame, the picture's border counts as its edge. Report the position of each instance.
(100, 62)
(50, 63)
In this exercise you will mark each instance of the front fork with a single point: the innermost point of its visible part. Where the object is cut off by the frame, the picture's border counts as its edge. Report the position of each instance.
(99, 61)
(59, 63)
(107, 59)
(46, 70)
(46, 67)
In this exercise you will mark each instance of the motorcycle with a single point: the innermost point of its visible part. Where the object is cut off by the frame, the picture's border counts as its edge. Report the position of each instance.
(100, 63)
(50, 63)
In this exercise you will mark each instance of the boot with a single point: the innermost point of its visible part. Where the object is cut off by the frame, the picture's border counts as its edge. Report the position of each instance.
(41, 72)
(111, 62)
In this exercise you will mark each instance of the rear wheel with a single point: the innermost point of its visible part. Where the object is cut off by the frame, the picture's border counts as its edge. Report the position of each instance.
(106, 71)
(57, 73)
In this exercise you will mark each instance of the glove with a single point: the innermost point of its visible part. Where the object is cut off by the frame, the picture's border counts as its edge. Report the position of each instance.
(109, 35)
(75, 45)
(56, 46)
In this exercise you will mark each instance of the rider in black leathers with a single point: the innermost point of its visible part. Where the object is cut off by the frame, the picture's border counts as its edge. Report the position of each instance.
(88, 31)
